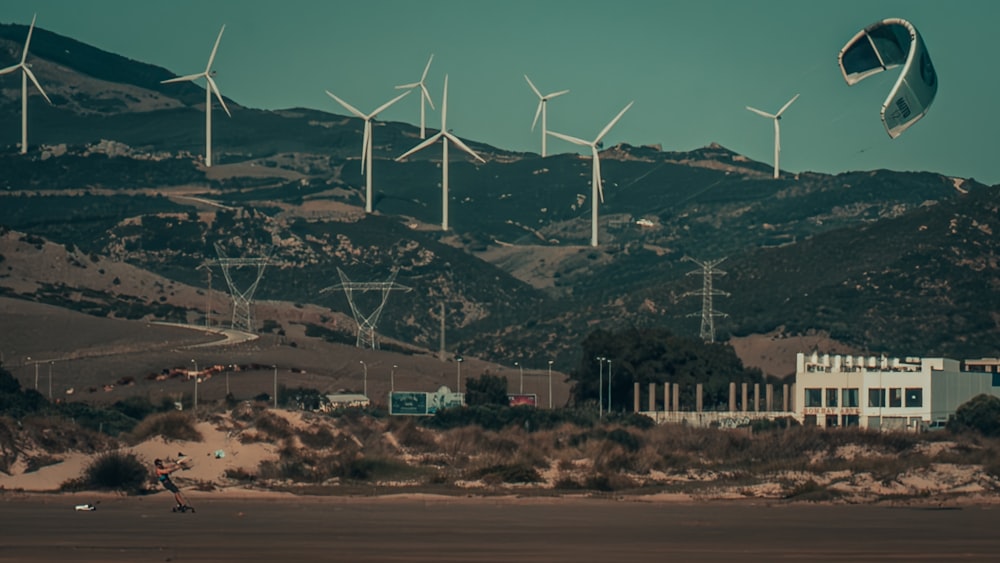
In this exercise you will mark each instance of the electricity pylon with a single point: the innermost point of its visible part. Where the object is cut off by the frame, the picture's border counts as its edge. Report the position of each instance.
(367, 323)
(242, 298)
(708, 314)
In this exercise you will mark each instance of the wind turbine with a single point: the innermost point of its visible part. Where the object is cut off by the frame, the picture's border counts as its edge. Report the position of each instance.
(366, 143)
(210, 88)
(777, 129)
(542, 102)
(424, 94)
(445, 136)
(25, 75)
(597, 190)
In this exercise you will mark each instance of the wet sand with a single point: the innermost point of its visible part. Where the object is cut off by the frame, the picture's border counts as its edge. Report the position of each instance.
(46, 528)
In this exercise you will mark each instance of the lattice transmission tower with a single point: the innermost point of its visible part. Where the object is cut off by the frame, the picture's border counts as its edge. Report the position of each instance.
(367, 337)
(242, 298)
(707, 292)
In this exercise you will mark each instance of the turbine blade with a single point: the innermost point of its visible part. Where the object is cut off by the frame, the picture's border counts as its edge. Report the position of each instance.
(187, 78)
(215, 90)
(426, 143)
(444, 105)
(597, 174)
(410, 85)
(366, 140)
(427, 95)
(24, 54)
(214, 49)
(347, 106)
(612, 123)
(31, 75)
(383, 107)
(10, 69)
(537, 113)
(537, 93)
(458, 142)
(426, 68)
(761, 113)
(574, 140)
(556, 94)
(784, 107)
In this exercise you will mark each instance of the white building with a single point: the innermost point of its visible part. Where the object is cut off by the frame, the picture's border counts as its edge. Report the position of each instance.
(879, 392)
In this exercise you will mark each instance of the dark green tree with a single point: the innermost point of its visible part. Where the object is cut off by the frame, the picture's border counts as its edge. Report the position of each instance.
(486, 390)
(979, 414)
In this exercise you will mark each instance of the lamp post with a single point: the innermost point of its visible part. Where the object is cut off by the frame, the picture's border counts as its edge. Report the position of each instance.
(392, 378)
(275, 385)
(521, 369)
(458, 378)
(50, 379)
(195, 387)
(229, 367)
(550, 384)
(600, 387)
(365, 366)
(609, 386)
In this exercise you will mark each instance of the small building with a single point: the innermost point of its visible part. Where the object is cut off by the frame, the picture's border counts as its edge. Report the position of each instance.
(345, 401)
(886, 393)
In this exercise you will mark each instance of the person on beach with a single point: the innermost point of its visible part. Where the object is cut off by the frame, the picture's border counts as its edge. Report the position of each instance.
(163, 471)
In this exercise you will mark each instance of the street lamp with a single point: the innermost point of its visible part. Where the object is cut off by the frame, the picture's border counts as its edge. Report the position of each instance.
(458, 378)
(600, 387)
(275, 386)
(195, 387)
(392, 378)
(609, 386)
(50, 379)
(550, 384)
(521, 369)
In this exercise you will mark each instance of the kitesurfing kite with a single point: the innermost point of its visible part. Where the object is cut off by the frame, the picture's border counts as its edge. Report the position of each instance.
(884, 45)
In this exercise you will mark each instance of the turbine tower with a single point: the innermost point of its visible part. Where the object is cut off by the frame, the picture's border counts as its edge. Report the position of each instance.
(542, 103)
(210, 88)
(366, 323)
(597, 190)
(708, 314)
(777, 129)
(25, 75)
(366, 143)
(446, 136)
(242, 298)
(424, 94)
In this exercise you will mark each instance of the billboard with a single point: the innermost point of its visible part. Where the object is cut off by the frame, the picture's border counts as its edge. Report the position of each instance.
(416, 403)
(527, 399)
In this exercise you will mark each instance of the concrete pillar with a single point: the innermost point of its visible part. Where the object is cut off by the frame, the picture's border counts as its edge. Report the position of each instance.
(732, 396)
(698, 399)
(743, 405)
(770, 398)
(677, 397)
(785, 402)
(666, 396)
(635, 396)
(756, 397)
(652, 397)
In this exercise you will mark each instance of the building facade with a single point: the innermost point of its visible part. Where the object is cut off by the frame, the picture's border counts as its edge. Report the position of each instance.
(886, 393)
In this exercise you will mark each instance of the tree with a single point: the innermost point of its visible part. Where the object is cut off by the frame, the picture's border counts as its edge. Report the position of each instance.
(486, 390)
(980, 414)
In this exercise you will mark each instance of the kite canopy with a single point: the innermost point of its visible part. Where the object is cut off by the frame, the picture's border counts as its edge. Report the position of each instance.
(885, 45)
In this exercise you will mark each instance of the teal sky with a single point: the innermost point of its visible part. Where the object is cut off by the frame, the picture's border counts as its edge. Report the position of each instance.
(690, 66)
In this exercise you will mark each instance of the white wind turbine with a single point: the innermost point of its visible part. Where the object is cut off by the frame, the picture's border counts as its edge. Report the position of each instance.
(445, 136)
(777, 129)
(424, 94)
(542, 103)
(366, 143)
(25, 75)
(210, 88)
(597, 190)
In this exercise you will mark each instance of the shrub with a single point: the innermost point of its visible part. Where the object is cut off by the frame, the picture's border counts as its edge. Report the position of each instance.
(980, 414)
(113, 471)
(173, 425)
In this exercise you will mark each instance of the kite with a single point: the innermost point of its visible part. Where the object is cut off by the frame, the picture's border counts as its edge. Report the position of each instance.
(884, 45)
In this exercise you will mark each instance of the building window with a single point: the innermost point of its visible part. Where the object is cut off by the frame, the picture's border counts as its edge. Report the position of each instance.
(831, 420)
(895, 397)
(809, 420)
(876, 397)
(850, 398)
(831, 397)
(851, 420)
(914, 397)
(814, 397)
